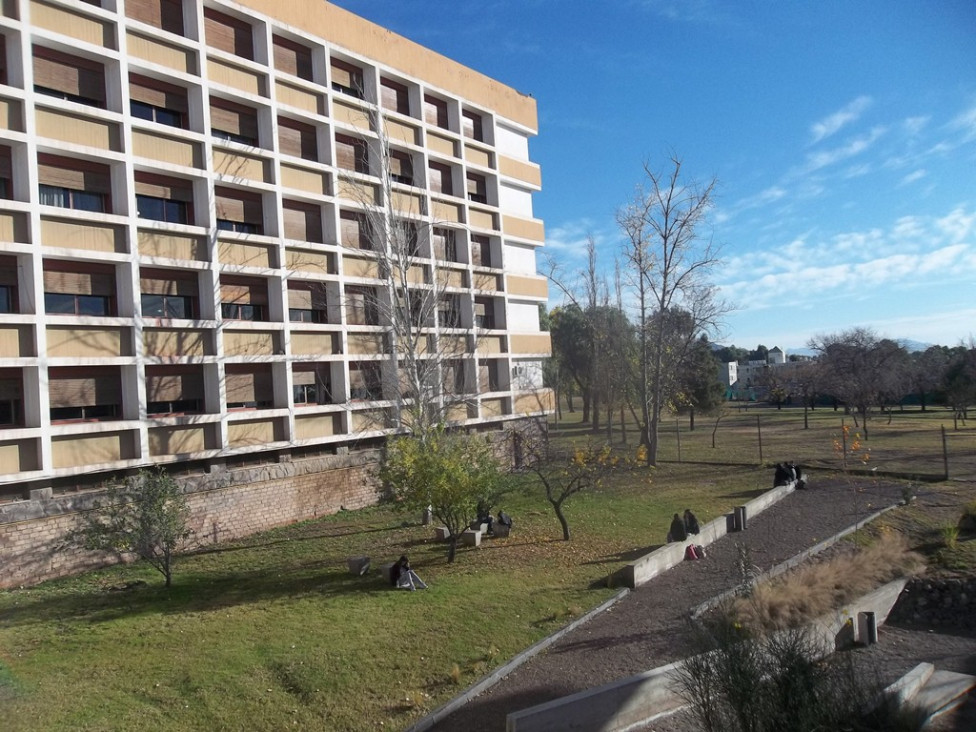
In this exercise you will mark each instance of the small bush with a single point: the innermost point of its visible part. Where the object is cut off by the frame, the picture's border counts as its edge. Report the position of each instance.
(967, 522)
(950, 536)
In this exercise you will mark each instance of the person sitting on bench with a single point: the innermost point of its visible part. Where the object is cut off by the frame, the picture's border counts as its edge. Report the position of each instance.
(677, 532)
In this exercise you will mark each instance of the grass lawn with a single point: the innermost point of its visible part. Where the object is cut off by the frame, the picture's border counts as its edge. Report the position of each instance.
(272, 631)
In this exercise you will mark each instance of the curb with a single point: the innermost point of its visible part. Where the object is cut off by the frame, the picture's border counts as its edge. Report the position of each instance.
(502, 671)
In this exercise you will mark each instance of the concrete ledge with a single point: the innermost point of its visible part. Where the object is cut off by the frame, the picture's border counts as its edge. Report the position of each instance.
(651, 565)
(470, 537)
(441, 533)
(358, 565)
(908, 685)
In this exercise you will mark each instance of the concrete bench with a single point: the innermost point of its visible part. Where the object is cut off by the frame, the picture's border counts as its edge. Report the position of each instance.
(386, 570)
(441, 533)
(470, 537)
(358, 565)
(501, 530)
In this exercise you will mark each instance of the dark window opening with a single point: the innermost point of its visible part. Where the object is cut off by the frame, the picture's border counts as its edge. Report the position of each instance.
(10, 413)
(152, 113)
(71, 198)
(307, 315)
(8, 299)
(254, 404)
(56, 303)
(176, 407)
(241, 311)
(168, 306)
(161, 209)
(88, 413)
(366, 382)
(347, 79)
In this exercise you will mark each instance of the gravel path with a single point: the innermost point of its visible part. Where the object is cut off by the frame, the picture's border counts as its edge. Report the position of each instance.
(649, 627)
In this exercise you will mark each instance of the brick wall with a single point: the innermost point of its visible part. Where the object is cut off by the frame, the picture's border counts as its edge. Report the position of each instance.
(224, 504)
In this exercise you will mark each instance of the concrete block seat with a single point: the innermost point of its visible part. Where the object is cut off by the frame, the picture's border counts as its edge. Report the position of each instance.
(501, 531)
(358, 565)
(470, 537)
(441, 533)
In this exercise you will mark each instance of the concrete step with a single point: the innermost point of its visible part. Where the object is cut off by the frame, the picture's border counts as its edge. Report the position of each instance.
(942, 691)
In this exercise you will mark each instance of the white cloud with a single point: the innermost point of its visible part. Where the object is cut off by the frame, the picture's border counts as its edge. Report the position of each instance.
(832, 123)
(966, 122)
(913, 176)
(914, 125)
(855, 146)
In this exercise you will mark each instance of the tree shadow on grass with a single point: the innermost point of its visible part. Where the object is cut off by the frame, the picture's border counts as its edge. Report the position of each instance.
(246, 546)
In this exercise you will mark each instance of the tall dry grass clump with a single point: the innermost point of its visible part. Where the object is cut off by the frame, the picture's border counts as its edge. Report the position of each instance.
(814, 590)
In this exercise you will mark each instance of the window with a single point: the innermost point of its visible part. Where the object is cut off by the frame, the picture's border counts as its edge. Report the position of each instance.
(354, 230)
(234, 122)
(477, 188)
(481, 251)
(440, 179)
(365, 381)
(347, 79)
(312, 384)
(362, 306)
(484, 313)
(161, 198)
(488, 376)
(75, 184)
(8, 297)
(239, 211)
(449, 312)
(248, 386)
(307, 304)
(67, 77)
(435, 111)
(6, 174)
(166, 15)
(168, 294)
(292, 58)
(471, 126)
(228, 34)
(243, 299)
(3, 59)
(352, 154)
(298, 139)
(157, 101)
(302, 221)
(445, 244)
(11, 398)
(82, 394)
(174, 390)
(401, 167)
(453, 377)
(68, 291)
(394, 96)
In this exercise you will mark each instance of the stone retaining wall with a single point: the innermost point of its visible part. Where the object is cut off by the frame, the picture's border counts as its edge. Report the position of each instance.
(938, 602)
(224, 504)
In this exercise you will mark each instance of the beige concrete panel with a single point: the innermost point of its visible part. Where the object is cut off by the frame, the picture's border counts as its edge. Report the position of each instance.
(78, 130)
(454, 345)
(295, 97)
(450, 278)
(457, 413)
(13, 227)
(67, 342)
(78, 450)
(18, 456)
(166, 149)
(10, 115)
(245, 255)
(524, 228)
(441, 144)
(528, 172)
(162, 53)
(482, 219)
(444, 211)
(228, 75)
(321, 425)
(78, 235)
(302, 260)
(350, 31)
(242, 434)
(177, 440)
(358, 192)
(484, 281)
(248, 343)
(359, 267)
(408, 203)
(172, 246)
(491, 344)
(365, 344)
(399, 132)
(247, 167)
(541, 401)
(164, 342)
(75, 25)
(528, 286)
(314, 344)
(417, 275)
(492, 407)
(477, 156)
(351, 115)
(530, 343)
(368, 420)
(303, 179)
(16, 341)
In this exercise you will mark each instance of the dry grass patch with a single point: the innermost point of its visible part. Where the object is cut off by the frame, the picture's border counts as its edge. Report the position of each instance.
(814, 590)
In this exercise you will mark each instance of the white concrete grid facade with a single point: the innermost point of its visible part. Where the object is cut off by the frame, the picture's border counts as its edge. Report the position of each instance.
(180, 245)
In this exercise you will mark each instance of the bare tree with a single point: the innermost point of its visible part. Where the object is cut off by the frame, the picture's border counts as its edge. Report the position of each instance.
(669, 264)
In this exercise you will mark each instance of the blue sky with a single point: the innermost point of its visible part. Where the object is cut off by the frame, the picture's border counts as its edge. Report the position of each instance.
(842, 136)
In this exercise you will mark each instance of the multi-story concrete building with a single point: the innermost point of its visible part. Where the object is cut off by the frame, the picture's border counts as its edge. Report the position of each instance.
(184, 275)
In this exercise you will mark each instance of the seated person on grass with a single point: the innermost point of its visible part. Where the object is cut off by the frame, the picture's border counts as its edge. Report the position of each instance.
(404, 578)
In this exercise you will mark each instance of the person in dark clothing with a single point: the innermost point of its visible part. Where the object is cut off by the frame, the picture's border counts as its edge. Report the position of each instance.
(504, 519)
(677, 532)
(782, 476)
(691, 522)
(404, 578)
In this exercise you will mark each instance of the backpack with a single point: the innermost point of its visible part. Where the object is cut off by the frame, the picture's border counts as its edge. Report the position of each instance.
(691, 552)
